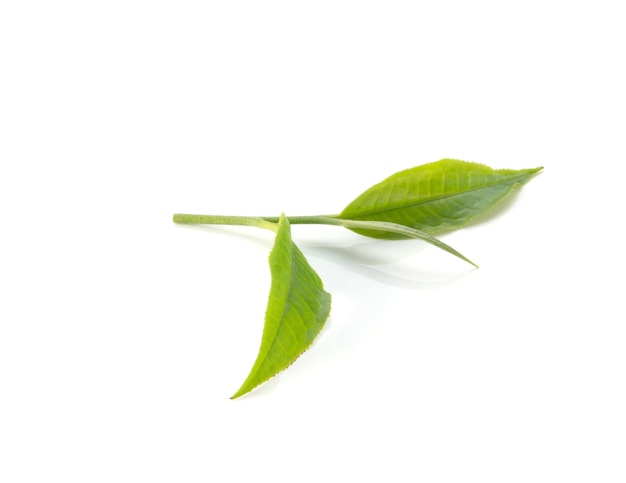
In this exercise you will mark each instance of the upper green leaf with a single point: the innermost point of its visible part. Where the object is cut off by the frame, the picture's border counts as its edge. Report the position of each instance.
(434, 197)
(297, 309)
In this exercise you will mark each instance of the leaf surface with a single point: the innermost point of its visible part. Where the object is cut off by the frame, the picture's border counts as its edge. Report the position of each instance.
(434, 197)
(297, 309)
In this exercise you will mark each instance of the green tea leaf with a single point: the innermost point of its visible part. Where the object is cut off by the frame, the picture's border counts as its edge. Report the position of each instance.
(297, 309)
(434, 197)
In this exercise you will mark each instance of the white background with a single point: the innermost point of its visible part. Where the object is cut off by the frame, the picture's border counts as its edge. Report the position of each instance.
(122, 335)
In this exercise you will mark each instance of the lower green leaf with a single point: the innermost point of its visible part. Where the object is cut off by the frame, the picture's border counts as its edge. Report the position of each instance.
(297, 310)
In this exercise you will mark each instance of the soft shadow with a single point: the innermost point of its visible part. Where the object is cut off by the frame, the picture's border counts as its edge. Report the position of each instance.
(382, 261)
(360, 259)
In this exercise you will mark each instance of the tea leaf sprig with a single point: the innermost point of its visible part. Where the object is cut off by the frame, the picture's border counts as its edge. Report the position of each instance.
(415, 203)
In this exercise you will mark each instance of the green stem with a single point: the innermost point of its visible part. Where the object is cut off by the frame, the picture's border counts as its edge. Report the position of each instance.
(269, 222)
(306, 220)
(225, 220)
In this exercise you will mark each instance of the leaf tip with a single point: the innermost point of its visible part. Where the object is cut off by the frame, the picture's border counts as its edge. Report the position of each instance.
(244, 389)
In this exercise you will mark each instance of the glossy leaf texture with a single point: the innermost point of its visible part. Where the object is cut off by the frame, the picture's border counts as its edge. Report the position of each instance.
(297, 310)
(434, 197)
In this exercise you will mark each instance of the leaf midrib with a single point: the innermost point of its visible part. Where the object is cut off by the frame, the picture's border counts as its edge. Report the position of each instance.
(281, 320)
(417, 203)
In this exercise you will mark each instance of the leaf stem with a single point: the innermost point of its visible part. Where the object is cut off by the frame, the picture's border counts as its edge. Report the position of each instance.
(270, 222)
(259, 222)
